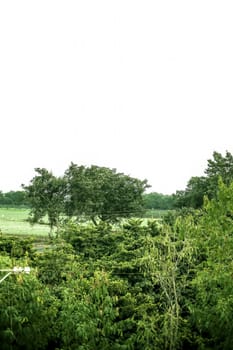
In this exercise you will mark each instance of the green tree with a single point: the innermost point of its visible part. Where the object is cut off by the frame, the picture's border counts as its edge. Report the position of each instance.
(211, 309)
(45, 194)
(28, 312)
(156, 200)
(219, 166)
(194, 193)
(93, 192)
(13, 198)
(89, 314)
(102, 193)
(198, 187)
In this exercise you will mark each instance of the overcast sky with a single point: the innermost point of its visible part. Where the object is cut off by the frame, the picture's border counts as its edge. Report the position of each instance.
(142, 86)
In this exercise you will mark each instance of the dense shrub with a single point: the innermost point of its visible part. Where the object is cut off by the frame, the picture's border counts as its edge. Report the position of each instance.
(136, 286)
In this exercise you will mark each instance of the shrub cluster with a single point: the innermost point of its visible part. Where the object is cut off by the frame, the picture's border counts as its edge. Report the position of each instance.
(133, 286)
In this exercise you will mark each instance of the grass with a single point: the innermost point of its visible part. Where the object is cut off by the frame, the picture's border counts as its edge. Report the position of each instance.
(13, 221)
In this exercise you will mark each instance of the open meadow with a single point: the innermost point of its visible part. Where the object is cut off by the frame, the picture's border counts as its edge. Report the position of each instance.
(13, 221)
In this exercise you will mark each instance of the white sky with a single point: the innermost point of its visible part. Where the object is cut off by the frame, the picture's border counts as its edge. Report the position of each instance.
(142, 86)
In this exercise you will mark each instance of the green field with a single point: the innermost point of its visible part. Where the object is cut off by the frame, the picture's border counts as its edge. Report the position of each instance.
(13, 221)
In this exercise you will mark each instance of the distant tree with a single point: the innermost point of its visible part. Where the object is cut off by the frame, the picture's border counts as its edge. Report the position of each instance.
(17, 197)
(45, 195)
(194, 193)
(13, 198)
(219, 166)
(198, 187)
(4, 200)
(102, 193)
(156, 200)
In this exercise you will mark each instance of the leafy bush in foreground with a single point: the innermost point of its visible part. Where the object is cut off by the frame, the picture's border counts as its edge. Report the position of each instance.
(136, 287)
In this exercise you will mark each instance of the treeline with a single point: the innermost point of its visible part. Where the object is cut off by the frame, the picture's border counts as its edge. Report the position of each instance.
(94, 190)
(199, 187)
(152, 200)
(155, 200)
(13, 199)
(155, 286)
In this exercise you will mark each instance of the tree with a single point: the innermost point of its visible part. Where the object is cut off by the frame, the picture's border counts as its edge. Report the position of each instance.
(156, 200)
(211, 310)
(14, 198)
(102, 193)
(198, 187)
(45, 195)
(219, 166)
(93, 192)
(28, 311)
(17, 197)
(194, 193)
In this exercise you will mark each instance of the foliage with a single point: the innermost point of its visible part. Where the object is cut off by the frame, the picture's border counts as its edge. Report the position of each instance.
(219, 166)
(13, 198)
(198, 187)
(194, 193)
(102, 193)
(156, 200)
(27, 311)
(89, 313)
(45, 193)
(139, 285)
(211, 311)
(55, 264)
(15, 247)
(132, 256)
(98, 193)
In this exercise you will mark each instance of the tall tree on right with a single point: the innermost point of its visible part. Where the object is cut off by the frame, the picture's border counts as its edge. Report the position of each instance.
(219, 166)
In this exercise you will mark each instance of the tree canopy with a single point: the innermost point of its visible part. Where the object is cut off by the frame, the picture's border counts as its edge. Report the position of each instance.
(100, 192)
(13, 198)
(93, 192)
(155, 200)
(45, 194)
(219, 166)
